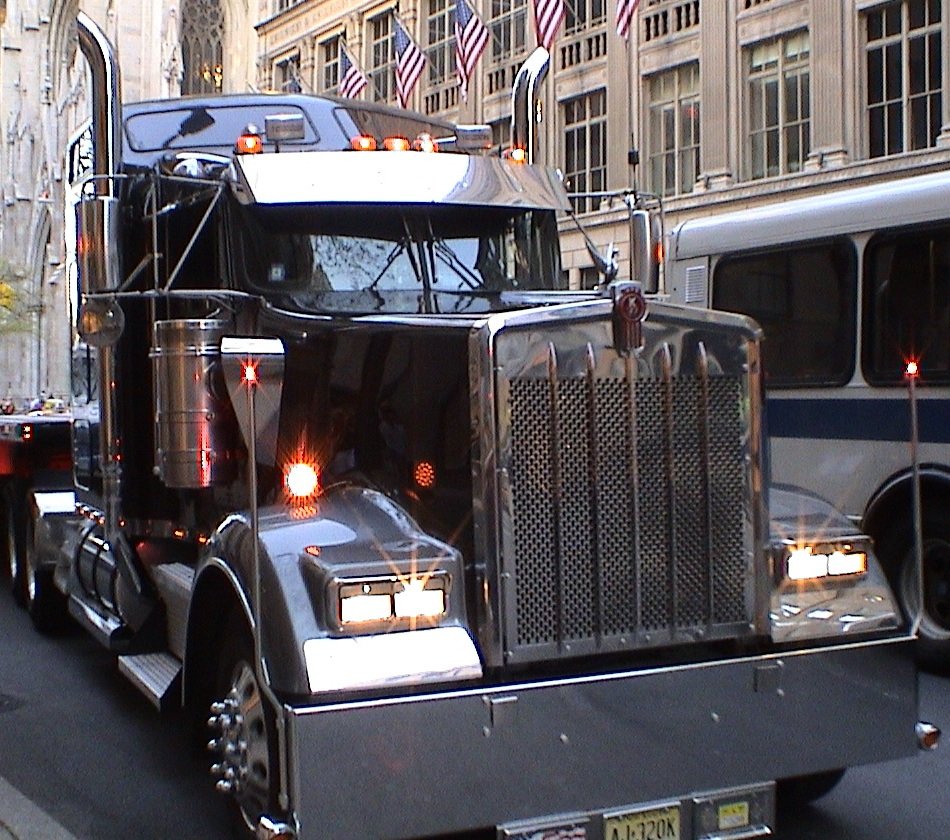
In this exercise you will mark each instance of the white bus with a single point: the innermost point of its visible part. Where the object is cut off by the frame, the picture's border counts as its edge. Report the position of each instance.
(849, 287)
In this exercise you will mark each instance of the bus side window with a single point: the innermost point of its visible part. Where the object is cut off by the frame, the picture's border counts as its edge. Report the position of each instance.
(804, 299)
(907, 305)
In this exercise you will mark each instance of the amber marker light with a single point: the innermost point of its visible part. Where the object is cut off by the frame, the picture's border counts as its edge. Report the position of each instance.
(363, 143)
(516, 155)
(301, 480)
(425, 143)
(249, 144)
(424, 475)
(396, 144)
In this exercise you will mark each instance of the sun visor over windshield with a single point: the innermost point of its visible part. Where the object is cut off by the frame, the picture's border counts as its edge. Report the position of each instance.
(394, 177)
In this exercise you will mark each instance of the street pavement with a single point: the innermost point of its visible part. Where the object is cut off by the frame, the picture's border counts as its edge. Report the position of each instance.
(21, 819)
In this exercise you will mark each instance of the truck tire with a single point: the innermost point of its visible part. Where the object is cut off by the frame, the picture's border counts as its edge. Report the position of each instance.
(244, 731)
(44, 602)
(15, 546)
(800, 790)
(896, 548)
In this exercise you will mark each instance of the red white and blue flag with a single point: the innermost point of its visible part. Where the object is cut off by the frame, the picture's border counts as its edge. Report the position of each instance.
(352, 79)
(625, 12)
(471, 38)
(410, 62)
(548, 15)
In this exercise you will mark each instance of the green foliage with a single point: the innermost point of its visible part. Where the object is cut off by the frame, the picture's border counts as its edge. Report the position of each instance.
(14, 315)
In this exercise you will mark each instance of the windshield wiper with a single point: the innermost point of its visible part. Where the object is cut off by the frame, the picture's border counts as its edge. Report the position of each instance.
(398, 250)
(448, 256)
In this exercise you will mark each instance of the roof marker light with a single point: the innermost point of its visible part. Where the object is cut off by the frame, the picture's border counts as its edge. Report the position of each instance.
(363, 143)
(396, 144)
(425, 143)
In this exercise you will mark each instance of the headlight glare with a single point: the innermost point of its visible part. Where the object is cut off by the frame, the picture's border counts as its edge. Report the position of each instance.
(392, 600)
(813, 562)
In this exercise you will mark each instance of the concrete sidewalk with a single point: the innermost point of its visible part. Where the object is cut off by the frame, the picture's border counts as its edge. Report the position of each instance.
(21, 819)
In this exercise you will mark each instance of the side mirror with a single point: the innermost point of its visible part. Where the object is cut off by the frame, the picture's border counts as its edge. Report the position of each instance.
(646, 249)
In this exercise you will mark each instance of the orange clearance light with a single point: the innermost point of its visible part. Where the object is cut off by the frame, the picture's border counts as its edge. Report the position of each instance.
(363, 143)
(249, 144)
(396, 144)
(516, 155)
(26, 432)
(424, 475)
(301, 480)
(425, 143)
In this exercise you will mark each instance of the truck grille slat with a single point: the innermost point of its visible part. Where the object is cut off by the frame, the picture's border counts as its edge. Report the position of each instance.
(643, 544)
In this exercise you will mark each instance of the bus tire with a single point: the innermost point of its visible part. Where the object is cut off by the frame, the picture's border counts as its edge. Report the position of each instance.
(933, 636)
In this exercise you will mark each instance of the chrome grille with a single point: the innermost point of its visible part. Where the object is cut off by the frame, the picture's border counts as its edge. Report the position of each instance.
(627, 512)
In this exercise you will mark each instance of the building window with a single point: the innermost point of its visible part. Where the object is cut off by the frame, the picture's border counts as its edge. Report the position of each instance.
(509, 27)
(287, 74)
(329, 53)
(585, 148)
(440, 40)
(382, 65)
(779, 105)
(202, 46)
(904, 91)
(584, 14)
(673, 121)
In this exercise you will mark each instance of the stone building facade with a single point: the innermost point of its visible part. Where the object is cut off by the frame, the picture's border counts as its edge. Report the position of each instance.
(725, 102)
(165, 48)
(709, 104)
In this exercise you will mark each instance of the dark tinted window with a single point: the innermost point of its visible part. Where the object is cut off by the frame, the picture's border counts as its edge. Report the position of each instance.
(907, 305)
(204, 126)
(804, 299)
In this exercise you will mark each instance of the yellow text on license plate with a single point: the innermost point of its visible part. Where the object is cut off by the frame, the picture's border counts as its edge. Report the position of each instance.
(654, 824)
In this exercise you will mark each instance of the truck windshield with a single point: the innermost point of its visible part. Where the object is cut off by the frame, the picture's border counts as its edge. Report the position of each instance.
(357, 259)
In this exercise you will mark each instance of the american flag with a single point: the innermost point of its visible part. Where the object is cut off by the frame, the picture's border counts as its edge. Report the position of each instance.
(471, 38)
(410, 62)
(548, 15)
(625, 11)
(352, 79)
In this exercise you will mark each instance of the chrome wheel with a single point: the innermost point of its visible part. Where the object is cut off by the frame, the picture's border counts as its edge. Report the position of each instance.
(242, 741)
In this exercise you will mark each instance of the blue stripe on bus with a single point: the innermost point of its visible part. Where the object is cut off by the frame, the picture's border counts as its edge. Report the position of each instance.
(857, 419)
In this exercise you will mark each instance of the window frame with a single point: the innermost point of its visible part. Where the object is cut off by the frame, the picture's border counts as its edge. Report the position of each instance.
(791, 253)
(785, 69)
(656, 108)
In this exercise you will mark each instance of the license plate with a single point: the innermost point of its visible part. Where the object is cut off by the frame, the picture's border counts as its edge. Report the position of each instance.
(653, 824)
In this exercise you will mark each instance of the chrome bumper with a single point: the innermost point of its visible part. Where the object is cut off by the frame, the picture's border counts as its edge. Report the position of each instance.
(455, 760)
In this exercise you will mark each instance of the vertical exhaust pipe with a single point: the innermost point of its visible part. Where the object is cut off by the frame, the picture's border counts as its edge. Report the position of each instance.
(99, 269)
(526, 104)
(106, 102)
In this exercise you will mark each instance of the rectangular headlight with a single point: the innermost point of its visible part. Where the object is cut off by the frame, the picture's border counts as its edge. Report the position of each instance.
(813, 562)
(394, 599)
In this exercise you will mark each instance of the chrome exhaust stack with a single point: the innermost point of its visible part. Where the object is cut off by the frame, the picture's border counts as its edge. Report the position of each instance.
(106, 102)
(526, 104)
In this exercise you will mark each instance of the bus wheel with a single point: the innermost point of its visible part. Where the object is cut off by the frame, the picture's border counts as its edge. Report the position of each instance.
(243, 729)
(933, 642)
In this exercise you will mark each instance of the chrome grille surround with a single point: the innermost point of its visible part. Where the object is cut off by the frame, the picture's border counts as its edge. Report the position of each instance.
(621, 493)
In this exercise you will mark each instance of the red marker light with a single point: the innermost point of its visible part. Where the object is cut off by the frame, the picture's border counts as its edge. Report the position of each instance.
(250, 374)
(912, 370)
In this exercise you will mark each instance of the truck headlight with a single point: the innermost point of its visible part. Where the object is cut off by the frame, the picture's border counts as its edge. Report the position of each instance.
(799, 562)
(393, 599)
